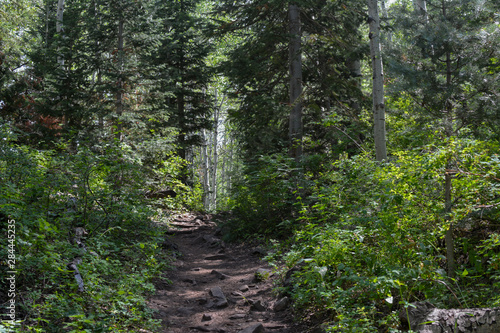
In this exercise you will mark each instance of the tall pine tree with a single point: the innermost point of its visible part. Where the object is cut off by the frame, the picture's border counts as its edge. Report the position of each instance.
(181, 99)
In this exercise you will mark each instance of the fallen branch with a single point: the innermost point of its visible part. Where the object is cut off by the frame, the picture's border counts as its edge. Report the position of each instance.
(73, 265)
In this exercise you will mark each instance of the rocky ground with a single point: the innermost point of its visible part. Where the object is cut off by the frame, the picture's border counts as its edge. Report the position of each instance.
(218, 287)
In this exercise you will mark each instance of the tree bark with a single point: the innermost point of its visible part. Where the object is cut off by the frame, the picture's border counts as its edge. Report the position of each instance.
(73, 265)
(448, 126)
(354, 66)
(385, 15)
(424, 317)
(213, 178)
(206, 186)
(59, 27)
(119, 90)
(295, 59)
(378, 82)
(450, 248)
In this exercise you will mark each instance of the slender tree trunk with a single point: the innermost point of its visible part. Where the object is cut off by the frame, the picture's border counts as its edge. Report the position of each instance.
(119, 97)
(385, 15)
(209, 167)
(181, 100)
(98, 71)
(60, 57)
(355, 69)
(450, 248)
(230, 167)
(295, 59)
(448, 116)
(119, 90)
(378, 82)
(213, 178)
(206, 187)
(59, 27)
(46, 32)
(181, 137)
(448, 125)
(223, 172)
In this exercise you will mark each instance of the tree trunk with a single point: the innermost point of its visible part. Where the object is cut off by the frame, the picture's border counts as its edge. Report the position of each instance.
(448, 126)
(295, 59)
(448, 112)
(206, 186)
(378, 82)
(354, 66)
(98, 71)
(385, 15)
(213, 178)
(424, 317)
(119, 90)
(450, 249)
(181, 137)
(230, 166)
(59, 27)
(210, 167)
(223, 171)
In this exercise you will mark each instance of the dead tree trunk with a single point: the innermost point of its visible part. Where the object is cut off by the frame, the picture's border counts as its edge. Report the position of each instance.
(425, 318)
(73, 265)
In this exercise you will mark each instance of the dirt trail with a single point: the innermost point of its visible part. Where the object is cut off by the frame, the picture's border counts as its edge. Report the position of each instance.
(214, 287)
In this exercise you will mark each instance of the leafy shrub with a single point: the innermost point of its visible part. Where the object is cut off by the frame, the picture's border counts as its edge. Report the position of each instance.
(263, 201)
(370, 239)
(48, 194)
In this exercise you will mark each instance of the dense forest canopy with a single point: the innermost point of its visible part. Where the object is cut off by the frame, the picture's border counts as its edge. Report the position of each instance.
(359, 138)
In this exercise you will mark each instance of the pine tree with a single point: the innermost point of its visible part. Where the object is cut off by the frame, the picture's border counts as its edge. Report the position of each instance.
(89, 65)
(442, 62)
(182, 77)
(259, 72)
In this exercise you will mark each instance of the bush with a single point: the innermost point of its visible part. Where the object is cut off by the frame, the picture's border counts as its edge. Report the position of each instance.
(49, 194)
(263, 201)
(370, 239)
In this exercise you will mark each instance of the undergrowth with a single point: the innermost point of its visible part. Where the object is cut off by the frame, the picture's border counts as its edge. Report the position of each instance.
(368, 237)
(49, 193)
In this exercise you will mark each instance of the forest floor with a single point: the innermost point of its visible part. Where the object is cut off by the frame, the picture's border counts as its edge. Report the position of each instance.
(214, 286)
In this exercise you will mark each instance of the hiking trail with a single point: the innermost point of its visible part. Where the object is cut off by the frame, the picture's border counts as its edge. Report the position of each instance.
(217, 287)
